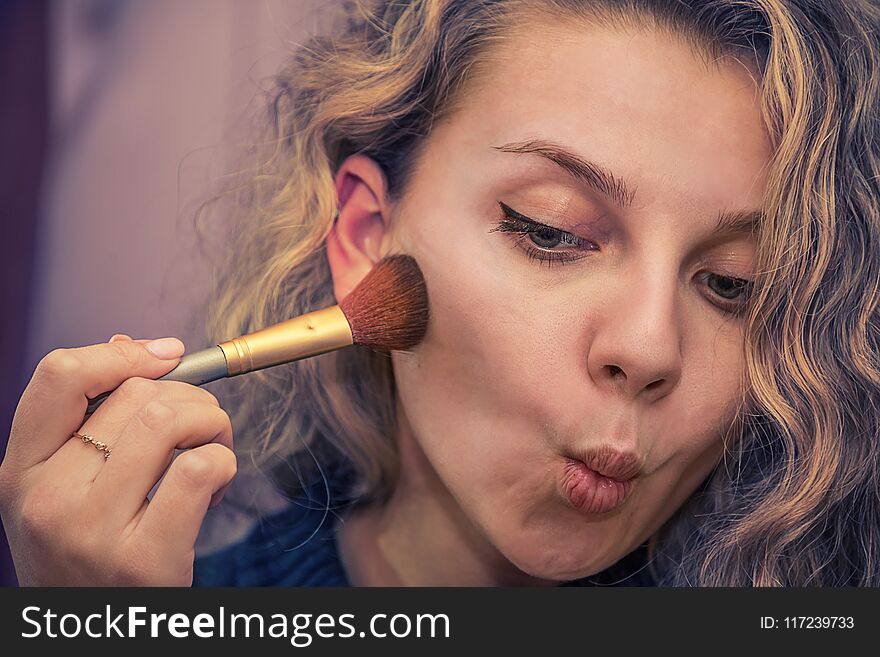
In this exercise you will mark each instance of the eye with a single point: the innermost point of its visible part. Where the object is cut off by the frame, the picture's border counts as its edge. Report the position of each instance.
(733, 292)
(539, 241)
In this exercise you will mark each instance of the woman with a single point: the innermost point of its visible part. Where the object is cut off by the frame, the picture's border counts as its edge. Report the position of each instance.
(700, 180)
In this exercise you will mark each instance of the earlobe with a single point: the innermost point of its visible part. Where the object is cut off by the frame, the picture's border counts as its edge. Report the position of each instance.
(354, 243)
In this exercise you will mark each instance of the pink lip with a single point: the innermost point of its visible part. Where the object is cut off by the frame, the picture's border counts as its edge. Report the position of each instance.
(610, 460)
(589, 491)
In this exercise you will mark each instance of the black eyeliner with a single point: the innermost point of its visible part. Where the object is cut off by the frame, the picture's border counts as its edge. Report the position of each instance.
(513, 214)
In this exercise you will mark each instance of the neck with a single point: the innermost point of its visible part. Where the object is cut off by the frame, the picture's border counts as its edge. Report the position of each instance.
(421, 536)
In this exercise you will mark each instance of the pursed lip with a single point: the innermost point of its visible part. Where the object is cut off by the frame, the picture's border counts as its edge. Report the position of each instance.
(610, 461)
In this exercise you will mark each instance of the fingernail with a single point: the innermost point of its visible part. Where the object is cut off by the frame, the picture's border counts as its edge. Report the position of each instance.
(166, 348)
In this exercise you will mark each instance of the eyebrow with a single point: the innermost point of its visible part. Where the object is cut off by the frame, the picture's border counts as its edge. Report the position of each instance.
(604, 181)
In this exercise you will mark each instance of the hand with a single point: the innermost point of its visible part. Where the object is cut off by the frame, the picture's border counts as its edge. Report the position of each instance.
(73, 517)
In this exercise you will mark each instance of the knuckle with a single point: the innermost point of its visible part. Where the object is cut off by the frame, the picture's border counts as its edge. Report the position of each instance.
(224, 419)
(57, 365)
(196, 469)
(138, 389)
(228, 460)
(189, 392)
(231, 463)
(157, 415)
(210, 397)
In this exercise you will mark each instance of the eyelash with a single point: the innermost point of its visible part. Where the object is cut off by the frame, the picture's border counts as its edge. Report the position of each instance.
(523, 227)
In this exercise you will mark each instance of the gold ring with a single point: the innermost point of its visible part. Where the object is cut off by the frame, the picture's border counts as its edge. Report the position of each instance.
(97, 443)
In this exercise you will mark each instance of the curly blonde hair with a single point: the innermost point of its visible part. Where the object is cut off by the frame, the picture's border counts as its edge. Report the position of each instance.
(796, 498)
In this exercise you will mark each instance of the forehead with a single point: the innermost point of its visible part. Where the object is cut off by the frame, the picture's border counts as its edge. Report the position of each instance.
(641, 103)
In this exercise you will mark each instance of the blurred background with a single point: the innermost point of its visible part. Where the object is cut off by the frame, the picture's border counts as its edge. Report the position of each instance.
(117, 118)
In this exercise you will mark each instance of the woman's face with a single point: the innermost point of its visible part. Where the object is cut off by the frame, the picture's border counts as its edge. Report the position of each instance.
(604, 332)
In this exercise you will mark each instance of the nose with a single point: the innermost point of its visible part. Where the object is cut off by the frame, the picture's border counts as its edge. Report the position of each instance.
(636, 350)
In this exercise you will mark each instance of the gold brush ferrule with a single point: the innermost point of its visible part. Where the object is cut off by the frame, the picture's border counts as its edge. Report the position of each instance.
(311, 334)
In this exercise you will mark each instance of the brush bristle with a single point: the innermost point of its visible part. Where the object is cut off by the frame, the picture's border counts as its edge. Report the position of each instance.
(388, 310)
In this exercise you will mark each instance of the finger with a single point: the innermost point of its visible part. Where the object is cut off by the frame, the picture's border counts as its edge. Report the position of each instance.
(147, 446)
(123, 336)
(54, 402)
(175, 514)
(77, 462)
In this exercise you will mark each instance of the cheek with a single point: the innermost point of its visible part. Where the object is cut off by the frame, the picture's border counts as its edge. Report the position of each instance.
(481, 361)
(475, 390)
(712, 391)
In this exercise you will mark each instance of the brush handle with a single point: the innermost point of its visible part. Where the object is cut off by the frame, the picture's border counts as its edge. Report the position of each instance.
(196, 368)
(305, 336)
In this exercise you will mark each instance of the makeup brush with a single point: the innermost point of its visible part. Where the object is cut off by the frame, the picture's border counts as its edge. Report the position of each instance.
(387, 311)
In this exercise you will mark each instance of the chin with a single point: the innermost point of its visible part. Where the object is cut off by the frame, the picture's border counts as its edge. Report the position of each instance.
(571, 557)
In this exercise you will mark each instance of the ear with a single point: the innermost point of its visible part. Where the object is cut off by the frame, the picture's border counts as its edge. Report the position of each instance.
(354, 243)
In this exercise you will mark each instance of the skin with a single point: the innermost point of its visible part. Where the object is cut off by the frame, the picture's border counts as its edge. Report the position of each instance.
(52, 485)
(523, 363)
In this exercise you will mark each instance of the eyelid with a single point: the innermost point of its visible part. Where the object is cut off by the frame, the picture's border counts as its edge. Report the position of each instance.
(510, 212)
(713, 266)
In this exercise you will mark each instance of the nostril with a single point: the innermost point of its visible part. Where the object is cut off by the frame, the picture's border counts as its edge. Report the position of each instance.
(615, 370)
